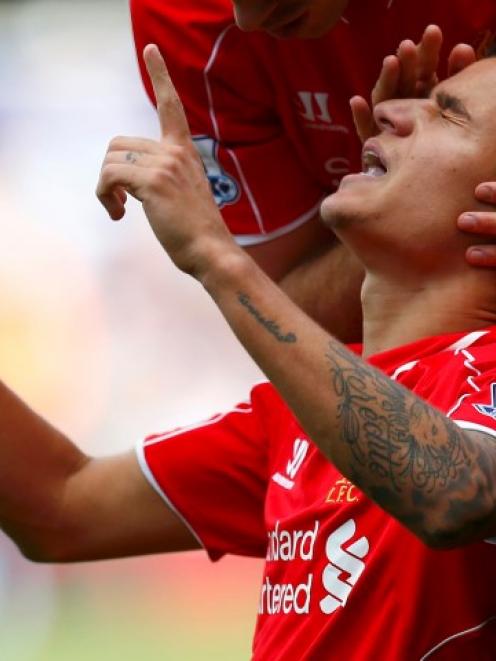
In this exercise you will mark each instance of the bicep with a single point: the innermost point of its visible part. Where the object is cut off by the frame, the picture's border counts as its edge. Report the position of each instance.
(110, 510)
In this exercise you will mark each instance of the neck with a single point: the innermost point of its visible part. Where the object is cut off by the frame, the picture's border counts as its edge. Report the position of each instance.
(398, 313)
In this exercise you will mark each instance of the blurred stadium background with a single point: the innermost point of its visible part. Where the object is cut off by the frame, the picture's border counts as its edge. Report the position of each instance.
(102, 336)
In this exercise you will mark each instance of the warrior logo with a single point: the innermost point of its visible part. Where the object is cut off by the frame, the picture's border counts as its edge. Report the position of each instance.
(314, 108)
(225, 188)
(300, 449)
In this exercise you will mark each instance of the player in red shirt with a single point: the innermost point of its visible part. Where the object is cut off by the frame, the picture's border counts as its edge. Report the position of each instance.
(269, 112)
(342, 579)
(335, 561)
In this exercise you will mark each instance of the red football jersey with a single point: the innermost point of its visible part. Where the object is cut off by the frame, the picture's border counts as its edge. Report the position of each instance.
(343, 579)
(271, 117)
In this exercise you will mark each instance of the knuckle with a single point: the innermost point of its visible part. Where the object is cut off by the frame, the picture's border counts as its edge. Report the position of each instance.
(175, 160)
(108, 160)
(117, 143)
(178, 152)
(167, 165)
(107, 175)
(165, 104)
(106, 169)
(158, 179)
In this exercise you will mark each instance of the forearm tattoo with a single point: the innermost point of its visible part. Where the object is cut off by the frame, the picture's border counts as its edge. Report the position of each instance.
(269, 324)
(404, 452)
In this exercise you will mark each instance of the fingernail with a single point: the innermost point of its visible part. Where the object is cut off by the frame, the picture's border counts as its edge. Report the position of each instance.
(485, 192)
(476, 253)
(467, 221)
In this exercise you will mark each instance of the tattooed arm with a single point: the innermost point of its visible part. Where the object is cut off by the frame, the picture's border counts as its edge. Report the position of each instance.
(413, 461)
(434, 477)
(410, 458)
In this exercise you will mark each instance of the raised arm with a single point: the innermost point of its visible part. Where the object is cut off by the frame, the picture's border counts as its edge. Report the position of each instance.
(59, 505)
(407, 456)
(377, 433)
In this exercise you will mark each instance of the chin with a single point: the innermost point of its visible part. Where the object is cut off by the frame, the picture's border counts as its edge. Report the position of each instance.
(333, 211)
(345, 209)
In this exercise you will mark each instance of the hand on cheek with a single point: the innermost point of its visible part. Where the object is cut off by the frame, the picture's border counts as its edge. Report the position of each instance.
(483, 224)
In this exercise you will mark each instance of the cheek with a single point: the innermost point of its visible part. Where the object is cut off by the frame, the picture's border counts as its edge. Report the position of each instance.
(448, 187)
(427, 198)
(428, 181)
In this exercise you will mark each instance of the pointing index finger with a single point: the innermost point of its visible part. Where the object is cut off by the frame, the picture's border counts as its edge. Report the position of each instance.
(173, 122)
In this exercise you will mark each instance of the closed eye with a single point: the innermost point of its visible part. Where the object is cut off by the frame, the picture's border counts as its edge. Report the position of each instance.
(452, 107)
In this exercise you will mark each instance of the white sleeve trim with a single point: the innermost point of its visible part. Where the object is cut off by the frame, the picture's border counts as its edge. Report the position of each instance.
(465, 424)
(140, 453)
(254, 239)
(197, 425)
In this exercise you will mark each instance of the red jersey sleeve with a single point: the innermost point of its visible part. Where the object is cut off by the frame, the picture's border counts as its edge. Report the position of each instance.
(256, 176)
(213, 475)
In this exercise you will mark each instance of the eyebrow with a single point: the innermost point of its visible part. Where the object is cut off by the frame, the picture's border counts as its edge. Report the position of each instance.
(450, 102)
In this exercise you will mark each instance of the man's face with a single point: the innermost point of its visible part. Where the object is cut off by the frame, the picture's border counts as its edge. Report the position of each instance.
(289, 18)
(420, 173)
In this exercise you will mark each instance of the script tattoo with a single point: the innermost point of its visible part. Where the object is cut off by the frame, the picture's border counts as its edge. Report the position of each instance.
(132, 157)
(269, 324)
(410, 451)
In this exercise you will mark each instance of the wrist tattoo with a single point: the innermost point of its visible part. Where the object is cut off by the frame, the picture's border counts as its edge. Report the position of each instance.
(269, 324)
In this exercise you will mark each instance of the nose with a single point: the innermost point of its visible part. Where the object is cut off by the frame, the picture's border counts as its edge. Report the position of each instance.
(396, 116)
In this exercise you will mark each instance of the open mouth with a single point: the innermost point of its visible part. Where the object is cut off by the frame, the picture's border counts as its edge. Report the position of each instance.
(373, 162)
(374, 165)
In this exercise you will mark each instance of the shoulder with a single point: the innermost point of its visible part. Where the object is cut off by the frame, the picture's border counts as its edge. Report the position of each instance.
(475, 351)
(271, 411)
(461, 380)
(264, 396)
